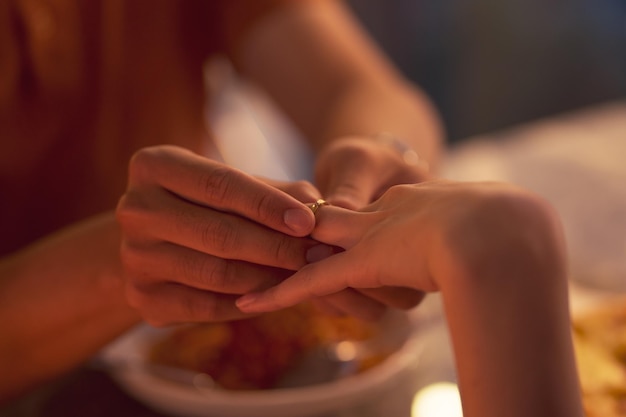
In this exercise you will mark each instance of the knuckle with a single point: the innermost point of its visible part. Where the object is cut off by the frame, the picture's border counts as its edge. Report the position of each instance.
(122, 210)
(131, 206)
(132, 261)
(263, 206)
(304, 185)
(217, 183)
(348, 187)
(398, 191)
(280, 249)
(134, 297)
(142, 161)
(125, 209)
(195, 310)
(303, 190)
(287, 252)
(219, 237)
(215, 274)
(205, 272)
(309, 283)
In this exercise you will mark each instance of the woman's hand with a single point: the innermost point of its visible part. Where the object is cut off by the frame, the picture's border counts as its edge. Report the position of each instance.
(363, 303)
(413, 237)
(356, 170)
(196, 234)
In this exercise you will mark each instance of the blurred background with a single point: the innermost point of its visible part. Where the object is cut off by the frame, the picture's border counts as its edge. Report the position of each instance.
(532, 92)
(490, 64)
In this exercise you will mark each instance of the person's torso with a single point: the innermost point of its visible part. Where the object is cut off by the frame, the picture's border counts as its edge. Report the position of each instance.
(83, 84)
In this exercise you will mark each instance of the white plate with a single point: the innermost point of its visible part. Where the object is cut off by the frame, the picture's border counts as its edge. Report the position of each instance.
(188, 401)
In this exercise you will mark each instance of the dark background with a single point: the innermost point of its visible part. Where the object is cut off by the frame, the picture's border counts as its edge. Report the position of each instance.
(489, 64)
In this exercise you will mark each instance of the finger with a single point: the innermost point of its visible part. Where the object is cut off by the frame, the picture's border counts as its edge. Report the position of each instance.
(164, 217)
(215, 185)
(396, 297)
(303, 191)
(340, 227)
(170, 304)
(351, 303)
(168, 262)
(312, 281)
(351, 184)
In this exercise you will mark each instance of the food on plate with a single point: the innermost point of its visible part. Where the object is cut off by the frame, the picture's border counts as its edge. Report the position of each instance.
(600, 344)
(256, 353)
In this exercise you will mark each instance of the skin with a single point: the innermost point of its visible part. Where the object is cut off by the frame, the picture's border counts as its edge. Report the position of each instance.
(494, 252)
(346, 91)
(352, 169)
(185, 242)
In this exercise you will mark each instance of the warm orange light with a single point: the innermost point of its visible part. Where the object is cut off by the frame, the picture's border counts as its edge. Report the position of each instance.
(437, 400)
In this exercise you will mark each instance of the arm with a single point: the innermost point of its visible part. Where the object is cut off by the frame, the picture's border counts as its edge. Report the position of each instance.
(323, 70)
(329, 77)
(196, 233)
(61, 300)
(496, 255)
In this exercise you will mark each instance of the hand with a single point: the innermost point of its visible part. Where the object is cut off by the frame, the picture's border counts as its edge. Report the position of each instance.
(366, 304)
(196, 234)
(354, 171)
(416, 235)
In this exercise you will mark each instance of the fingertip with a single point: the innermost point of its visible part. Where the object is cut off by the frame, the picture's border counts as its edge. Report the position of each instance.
(248, 303)
(319, 252)
(301, 221)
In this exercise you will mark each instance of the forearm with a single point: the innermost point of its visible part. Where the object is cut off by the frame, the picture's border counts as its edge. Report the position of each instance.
(508, 316)
(516, 362)
(322, 69)
(497, 256)
(61, 300)
(363, 108)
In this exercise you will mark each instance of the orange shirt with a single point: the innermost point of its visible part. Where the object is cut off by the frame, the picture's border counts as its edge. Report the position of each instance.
(83, 84)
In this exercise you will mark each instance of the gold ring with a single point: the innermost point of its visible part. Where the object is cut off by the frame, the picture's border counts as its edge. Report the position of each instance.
(319, 203)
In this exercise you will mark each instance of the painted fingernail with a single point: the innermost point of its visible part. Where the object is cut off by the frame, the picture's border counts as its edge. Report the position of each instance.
(318, 252)
(299, 220)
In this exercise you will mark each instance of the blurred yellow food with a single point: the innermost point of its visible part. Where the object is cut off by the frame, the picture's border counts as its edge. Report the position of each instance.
(600, 343)
(255, 353)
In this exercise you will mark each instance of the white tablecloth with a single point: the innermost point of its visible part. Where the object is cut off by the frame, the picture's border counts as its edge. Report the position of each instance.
(578, 163)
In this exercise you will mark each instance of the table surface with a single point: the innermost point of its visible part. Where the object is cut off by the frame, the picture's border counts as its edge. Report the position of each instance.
(574, 160)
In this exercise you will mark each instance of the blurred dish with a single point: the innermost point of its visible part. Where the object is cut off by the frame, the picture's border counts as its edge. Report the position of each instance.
(260, 352)
(188, 394)
(600, 343)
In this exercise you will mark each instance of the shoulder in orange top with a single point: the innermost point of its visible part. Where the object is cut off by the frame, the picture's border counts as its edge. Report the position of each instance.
(85, 84)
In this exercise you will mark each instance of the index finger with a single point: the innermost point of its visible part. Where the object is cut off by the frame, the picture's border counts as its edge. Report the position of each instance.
(341, 227)
(310, 282)
(209, 183)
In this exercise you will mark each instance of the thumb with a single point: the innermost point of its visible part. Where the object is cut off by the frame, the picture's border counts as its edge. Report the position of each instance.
(351, 186)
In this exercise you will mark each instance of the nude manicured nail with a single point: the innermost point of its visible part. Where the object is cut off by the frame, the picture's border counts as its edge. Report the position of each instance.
(245, 301)
(299, 220)
(318, 252)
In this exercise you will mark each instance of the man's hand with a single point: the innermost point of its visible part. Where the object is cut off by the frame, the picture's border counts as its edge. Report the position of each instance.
(196, 234)
(353, 172)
